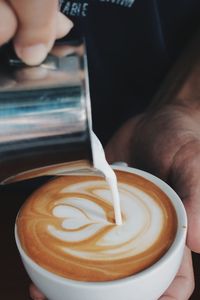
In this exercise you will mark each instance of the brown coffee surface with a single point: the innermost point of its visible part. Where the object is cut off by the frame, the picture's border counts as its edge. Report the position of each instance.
(67, 227)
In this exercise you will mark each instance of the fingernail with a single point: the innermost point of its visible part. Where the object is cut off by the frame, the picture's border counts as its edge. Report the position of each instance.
(70, 24)
(33, 55)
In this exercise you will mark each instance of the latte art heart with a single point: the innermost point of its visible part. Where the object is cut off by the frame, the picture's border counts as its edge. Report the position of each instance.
(68, 227)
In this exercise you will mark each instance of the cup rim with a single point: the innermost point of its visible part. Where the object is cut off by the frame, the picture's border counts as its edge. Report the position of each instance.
(179, 239)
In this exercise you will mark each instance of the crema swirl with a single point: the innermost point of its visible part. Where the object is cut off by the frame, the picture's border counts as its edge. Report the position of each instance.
(67, 226)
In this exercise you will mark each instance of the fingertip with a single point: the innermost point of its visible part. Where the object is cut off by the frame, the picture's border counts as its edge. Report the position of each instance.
(32, 55)
(35, 294)
(64, 25)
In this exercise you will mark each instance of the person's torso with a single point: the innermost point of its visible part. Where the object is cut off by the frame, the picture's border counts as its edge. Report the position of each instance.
(130, 49)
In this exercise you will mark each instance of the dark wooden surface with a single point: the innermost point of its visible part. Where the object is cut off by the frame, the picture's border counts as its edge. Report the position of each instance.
(14, 281)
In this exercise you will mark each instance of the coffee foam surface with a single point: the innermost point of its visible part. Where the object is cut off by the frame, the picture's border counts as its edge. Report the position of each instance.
(67, 226)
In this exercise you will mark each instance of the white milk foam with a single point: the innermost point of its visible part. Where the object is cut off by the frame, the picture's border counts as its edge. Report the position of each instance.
(101, 164)
(82, 220)
(68, 226)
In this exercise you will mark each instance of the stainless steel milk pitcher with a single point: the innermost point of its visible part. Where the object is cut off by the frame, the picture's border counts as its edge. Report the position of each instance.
(45, 117)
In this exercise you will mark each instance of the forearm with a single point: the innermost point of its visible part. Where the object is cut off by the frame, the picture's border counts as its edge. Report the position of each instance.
(182, 85)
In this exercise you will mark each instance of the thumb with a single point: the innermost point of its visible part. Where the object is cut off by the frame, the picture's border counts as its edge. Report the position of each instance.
(119, 147)
(185, 179)
(35, 293)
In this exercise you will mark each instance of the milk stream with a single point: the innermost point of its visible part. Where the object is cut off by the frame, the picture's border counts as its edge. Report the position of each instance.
(100, 163)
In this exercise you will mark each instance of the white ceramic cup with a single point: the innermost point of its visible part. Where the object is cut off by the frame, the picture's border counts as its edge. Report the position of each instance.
(149, 284)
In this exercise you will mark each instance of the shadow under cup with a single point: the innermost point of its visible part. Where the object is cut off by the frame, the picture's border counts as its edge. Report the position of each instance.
(148, 284)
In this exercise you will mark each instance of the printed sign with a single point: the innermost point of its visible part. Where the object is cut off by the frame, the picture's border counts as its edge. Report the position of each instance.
(80, 8)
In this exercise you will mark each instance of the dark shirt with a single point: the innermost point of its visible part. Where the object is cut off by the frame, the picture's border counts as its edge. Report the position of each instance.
(130, 50)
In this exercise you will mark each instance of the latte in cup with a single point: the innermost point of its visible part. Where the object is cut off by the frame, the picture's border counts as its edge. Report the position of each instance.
(68, 227)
